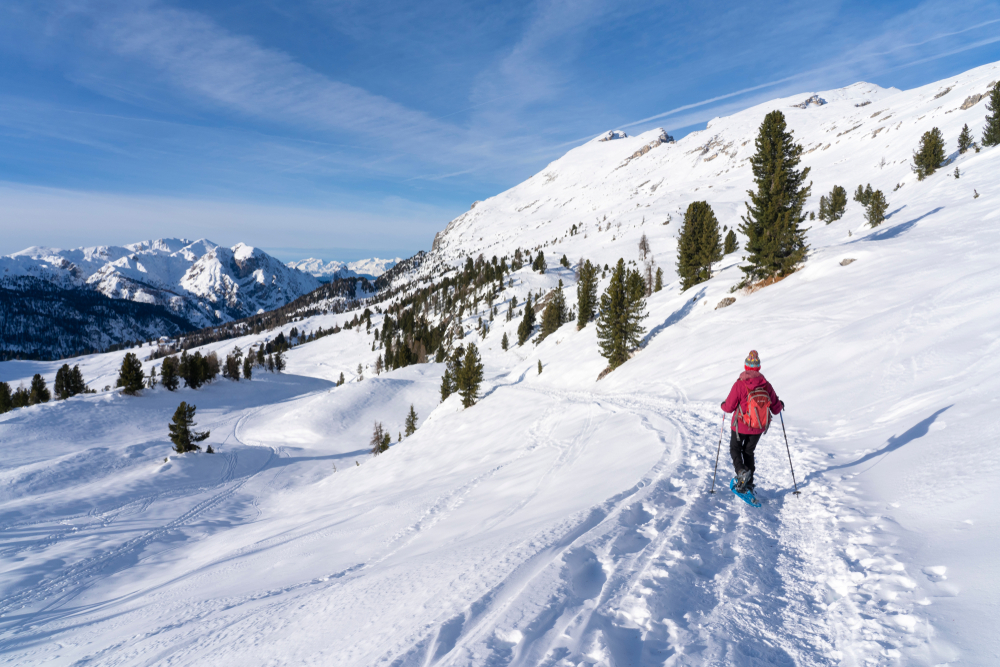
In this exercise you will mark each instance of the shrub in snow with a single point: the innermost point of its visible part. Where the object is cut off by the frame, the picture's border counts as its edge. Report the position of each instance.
(699, 244)
(776, 242)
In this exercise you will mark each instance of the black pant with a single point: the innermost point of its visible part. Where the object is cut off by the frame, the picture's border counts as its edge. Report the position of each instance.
(741, 446)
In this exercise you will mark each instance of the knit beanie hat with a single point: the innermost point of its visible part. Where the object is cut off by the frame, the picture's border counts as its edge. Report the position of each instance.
(752, 362)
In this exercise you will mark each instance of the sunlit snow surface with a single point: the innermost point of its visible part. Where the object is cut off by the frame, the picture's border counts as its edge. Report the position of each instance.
(565, 521)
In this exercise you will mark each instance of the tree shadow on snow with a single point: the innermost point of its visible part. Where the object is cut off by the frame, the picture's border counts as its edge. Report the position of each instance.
(918, 430)
(893, 232)
(674, 318)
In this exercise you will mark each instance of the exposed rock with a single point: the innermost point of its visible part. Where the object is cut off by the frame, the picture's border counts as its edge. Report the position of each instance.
(847, 260)
(474, 204)
(728, 301)
(613, 134)
(863, 104)
(814, 101)
(943, 92)
(971, 101)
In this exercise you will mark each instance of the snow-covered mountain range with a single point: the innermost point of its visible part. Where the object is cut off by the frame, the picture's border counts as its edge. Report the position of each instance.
(328, 271)
(199, 281)
(566, 520)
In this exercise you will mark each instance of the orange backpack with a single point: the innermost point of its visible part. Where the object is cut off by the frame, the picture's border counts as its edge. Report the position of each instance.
(758, 414)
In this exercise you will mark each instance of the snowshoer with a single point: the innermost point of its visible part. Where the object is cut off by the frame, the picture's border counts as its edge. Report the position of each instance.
(752, 401)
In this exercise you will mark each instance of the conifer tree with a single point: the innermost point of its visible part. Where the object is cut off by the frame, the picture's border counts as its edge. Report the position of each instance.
(555, 314)
(504, 342)
(964, 139)
(279, 361)
(539, 366)
(39, 392)
(130, 375)
(991, 133)
(6, 398)
(341, 380)
(863, 194)
(61, 387)
(586, 294)
(248, 367)
(527, 324)
(832, 206)
(169, 373)
(658, 285)
(470, 376)
(929, 156)
(20, 398)
(775, 241)
(182, 432)
(410, 426)
(731, 244)
(76, 383)
(699, 245)
(380, 440)
(539, 263)
(877, 206)
(619, 328)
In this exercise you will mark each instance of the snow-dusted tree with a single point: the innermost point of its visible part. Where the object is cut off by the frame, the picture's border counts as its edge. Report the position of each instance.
(929, 156)
(776, 242)
(964, 139)
(877, 206)
(832, 206)
(991, 133)
(527, 324)
(130, 376)
(470, 376)
(619, 328)
(699, 245)
(182, 432)
(586, 294)
(410, 426)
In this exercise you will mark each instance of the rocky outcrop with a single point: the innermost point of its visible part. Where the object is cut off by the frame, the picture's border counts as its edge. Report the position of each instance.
(814, 101)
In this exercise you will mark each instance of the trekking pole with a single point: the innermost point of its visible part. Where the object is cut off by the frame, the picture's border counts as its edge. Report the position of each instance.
(794, 483)
(716, 471)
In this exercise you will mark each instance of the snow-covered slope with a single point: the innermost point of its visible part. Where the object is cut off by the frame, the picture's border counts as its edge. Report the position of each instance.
(564, 520)
(328, 271)
(201, 281)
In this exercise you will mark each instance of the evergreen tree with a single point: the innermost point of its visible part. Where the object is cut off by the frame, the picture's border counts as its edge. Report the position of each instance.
(775, 241)
(76, 383)
(731, 244)
(61, 387)
(539, 263)
(410, 426)
(380, 440)
(586, 294)
(622, 310)
(279, 361)
(470, 376)
(555, 314)
(248, 367)
(877, 206)
(991, 133)
(130, 375)
(169, 373)
(658, 285)
(527, 324)
(863, 194)
(699, 245)
(6, 398)
(341, 380)
(504, 342)
(929, 156)
(152, 378)
(832, 206)
(20, 398)
(539, 366)
(964, 139)
(39, 392)
(564, 261)
(182, 432)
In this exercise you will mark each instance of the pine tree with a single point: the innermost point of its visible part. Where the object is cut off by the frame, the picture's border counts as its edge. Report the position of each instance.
(964, 139)
(248, 367)
(539, 366)
(470, 376)
(622, 310)
(555, 314)
(130, 375)
(991, 133)
(410, 426)
(341, 380)
(863, 194)
(586, 294)
(76, 383)
(504, 342)
(20, 398)
(539, 263)
(61, 387)
(731, 244)
(182, 432)
(6, 398)
(527, 324)
(380, 440)
(279, 361)
(169, 373)
(39, 392)
(929, 156)
(775, 241)
(832, 206)
(699, 245)
(658, 285)
(877, 206)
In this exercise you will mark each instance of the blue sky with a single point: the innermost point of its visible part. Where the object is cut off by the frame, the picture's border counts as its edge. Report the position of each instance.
(346, 129)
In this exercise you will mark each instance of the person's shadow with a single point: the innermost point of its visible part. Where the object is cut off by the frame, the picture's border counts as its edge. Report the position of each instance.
(918, 430)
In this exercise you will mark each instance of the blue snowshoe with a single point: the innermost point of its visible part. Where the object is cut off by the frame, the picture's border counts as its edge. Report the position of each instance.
(748, 496)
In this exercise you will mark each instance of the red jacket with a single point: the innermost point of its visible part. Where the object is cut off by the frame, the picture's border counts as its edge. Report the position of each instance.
(748, 381)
